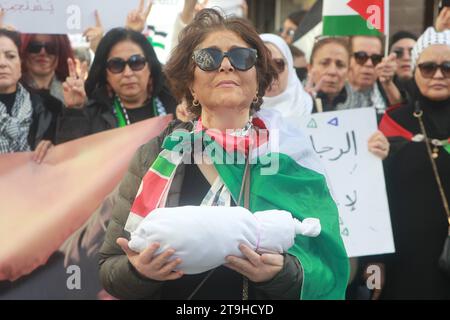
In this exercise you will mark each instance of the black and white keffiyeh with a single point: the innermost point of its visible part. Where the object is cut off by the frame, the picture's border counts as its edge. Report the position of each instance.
(429, 38)
(14, 128)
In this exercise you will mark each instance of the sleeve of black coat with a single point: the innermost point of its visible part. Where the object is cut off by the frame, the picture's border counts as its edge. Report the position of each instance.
(286, 285)
(72, 124)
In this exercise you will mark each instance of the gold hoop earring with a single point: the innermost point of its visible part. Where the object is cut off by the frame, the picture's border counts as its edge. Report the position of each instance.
(255, 99)
(195, 103)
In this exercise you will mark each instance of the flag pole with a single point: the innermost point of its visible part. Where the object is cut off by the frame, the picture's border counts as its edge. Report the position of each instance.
(386, 26)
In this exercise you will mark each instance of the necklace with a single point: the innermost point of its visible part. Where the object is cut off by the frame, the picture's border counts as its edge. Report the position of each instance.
(444, 144)
(122, 115)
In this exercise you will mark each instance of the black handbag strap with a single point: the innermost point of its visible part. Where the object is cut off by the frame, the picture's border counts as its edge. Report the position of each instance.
(418, 113)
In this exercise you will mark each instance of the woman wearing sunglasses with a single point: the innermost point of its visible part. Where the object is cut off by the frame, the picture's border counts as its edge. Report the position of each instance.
(125, 85)
(221, 67)
(24, 121)
(418, 175)
(372, 75)
(44, 62)
(286, 94)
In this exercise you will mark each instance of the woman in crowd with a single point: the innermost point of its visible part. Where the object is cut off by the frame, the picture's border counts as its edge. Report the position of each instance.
(125, 85)
(286, 94)
(328, 71)
(222, 68)
(402, 44)
(44, 63)
(24, 121)
(418, 175)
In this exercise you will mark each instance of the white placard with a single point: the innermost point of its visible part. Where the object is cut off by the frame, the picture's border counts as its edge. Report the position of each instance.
(65, 16)
(357, 179)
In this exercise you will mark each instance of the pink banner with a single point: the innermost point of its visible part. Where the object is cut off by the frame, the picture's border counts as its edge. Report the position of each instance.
(41, 205)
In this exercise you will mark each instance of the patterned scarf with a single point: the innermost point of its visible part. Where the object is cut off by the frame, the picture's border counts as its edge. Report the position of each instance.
(14, 128)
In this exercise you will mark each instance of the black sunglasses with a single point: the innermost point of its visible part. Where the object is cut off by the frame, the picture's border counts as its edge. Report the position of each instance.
(135, 62)
(429, 69)
(210, 59)
(400, 52)
(362, 57)
(279, 65)
(36, 47)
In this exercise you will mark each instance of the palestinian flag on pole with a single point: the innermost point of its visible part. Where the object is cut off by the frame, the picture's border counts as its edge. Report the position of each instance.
(355, 17)
(285, 175)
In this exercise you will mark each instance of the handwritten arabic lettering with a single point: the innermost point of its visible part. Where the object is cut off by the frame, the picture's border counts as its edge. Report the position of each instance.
(28, 6)
(350, 138)
(344, 230)
(352, 201)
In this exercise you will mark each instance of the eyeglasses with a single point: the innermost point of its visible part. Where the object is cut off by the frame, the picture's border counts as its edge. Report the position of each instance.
(429, 69)
(117, 65)
(279, 65)
(210, 59)
(36, 47)
(362, 57)
(400, 52)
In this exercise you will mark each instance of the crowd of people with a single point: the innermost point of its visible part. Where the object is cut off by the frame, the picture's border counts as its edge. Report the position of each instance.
(219, 75)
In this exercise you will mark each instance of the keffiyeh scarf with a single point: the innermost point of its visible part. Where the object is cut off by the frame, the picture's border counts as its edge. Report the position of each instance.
(14, 128)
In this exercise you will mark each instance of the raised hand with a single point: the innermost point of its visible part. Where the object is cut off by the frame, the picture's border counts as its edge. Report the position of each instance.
(137, 18)
(313, 88)
(150, 266)
(387, 68)
(73, 87)
(2, 26)
(93, 35)
(200, 6)
(443, 20)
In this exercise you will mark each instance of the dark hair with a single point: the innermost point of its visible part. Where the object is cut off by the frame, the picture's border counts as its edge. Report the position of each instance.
(297, 16)
(401, 35)
(374, 37)
(97, 74)
(344, 42)
(14, 36)
(296, 52)
(64, 52)
(180, 67)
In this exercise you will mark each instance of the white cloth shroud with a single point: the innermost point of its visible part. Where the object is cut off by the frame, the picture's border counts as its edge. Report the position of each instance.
(203, 236)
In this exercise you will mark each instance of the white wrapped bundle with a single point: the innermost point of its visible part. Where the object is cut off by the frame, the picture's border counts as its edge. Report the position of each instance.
(203, 236)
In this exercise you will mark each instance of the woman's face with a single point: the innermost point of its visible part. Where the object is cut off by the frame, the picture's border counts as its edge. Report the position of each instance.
(404, 48)
(330, 67)
(10, 69)
(224, 89)
(129, 85)
(278, 86)
(437, 87)
(42, 63)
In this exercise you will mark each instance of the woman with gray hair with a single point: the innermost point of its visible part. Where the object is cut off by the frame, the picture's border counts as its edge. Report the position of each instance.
(418, 176)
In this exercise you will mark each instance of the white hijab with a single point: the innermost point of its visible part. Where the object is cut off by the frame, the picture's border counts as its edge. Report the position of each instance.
(294, 102)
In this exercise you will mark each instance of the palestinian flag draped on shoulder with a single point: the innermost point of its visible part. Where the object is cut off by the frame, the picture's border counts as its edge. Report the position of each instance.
(355, 17)
(285, 175)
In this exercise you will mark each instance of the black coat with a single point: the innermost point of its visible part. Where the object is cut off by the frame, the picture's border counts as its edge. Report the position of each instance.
(418, 217)
(97, 116)
(42, 124)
